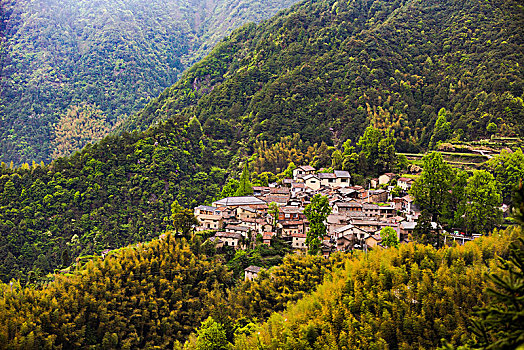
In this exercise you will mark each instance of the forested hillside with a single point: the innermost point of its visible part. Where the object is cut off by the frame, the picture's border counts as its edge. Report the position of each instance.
(156, 294)
(116, 192)
(412, 297)
(327, 69)
(114, 56)
(147, 295)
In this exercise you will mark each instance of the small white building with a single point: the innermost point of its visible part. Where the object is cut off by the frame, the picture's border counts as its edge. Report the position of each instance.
(312, 182)
(302, 171)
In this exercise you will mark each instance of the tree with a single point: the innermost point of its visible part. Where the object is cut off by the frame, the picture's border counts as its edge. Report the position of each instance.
(389, 237)
(508, 169)
(211, 336)
(244, 187)
(482, 201)
(274, 211)
(432, 189)
(316, 213)
(288, 173)
(442, 129)
(229, 189)
(492, 128)
(183, 219)
(377, 149)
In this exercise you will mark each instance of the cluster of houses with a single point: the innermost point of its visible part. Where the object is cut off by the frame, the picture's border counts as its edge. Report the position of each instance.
(358, 214)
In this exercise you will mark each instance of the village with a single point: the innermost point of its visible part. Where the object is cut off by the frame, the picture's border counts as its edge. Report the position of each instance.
(357, 214)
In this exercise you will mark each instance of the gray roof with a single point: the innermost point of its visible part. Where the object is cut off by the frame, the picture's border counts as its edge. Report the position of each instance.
(408, 225)
(307, 168)
(237, 228)
(326, 176)
(307, 177)
(342, 173)
(206, 207)
(238, 201)
(252, 268)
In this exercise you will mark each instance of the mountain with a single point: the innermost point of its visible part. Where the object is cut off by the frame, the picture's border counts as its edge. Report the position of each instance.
(327, 69)
(114, 56)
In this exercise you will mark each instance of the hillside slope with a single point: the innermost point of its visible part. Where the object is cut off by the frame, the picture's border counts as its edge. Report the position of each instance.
(116, 55)
(326, 69)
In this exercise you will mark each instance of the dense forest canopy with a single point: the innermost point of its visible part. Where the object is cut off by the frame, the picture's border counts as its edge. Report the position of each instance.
(327, 69)
(57, 55)
(156, 294)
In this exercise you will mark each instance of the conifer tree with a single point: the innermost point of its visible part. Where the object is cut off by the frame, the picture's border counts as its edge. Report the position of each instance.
(245, 188)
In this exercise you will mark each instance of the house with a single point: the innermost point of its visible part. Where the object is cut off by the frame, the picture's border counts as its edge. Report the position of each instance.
(378, 196)
(406, 228)
(238, 202)
(327, 249)
(243, 213)
(387, 211)
(344, 207)
(230, 239)
(291, 213)
(209, 218)
(266, 238)
(279, 200)
(349, 231)
(367, 225)
(327, 179)
(291, 227)
(385, 178)
(302, 171)
(373, 183)
(280, 191)
(405, 183)
(371, 209)
(345, 243)
(297, 187)
(373, 241)
(335, 221)
(312, 182)
(242, 230)
(298, 242)
(260, 190)
(251, 272)
(343, 178)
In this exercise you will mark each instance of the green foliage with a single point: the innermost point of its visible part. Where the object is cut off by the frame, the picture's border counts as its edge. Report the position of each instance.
(432, 190)
(142, 296)
(113, 193)
(389, 237)
(117, 55)
(499, 324)
(327, 71)
(405, 298)
(211, 336)
(377, 150)
(508, 169)
(442, 129)
(184, 220)
(316, 213)
(244, 185)
(482, 202)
